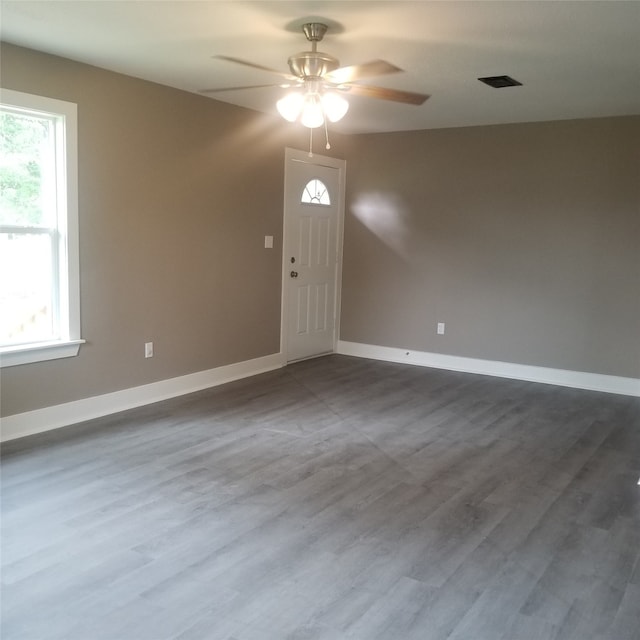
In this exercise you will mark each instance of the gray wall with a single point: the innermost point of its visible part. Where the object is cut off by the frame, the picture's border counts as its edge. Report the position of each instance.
(176, 194)
(524, 239)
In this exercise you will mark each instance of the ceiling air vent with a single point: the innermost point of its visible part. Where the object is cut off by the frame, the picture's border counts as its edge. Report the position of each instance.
(498, 82)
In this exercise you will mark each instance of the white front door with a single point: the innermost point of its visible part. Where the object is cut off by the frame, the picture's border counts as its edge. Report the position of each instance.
(314, 201)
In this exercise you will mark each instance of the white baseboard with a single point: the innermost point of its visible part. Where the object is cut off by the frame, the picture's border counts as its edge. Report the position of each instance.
(561, 377)
(62, 415)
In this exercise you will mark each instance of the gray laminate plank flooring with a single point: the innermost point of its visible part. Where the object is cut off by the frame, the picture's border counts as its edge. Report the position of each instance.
(335, 499)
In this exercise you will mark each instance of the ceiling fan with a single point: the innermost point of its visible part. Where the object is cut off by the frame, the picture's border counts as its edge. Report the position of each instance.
(319, 82)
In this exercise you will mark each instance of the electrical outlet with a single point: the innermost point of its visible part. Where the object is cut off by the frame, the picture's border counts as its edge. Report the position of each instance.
(440, 328)
(148, 349)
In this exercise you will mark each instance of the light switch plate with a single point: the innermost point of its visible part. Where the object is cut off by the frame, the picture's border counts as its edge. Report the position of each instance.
(268, 242)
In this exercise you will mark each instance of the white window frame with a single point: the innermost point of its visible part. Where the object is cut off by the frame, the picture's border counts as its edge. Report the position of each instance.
(68, 276)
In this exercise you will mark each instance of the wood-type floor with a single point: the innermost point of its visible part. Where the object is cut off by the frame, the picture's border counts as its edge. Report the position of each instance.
(337, 498)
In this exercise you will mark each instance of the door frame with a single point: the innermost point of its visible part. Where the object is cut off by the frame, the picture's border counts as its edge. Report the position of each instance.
(296, 155)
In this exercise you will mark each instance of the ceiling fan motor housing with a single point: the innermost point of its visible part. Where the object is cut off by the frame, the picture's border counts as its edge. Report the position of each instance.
(312, 64)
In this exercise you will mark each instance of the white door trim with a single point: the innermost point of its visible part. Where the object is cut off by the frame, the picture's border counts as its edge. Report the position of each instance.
(325, 161)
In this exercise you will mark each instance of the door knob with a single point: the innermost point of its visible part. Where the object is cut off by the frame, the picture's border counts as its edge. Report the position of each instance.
(294, 274)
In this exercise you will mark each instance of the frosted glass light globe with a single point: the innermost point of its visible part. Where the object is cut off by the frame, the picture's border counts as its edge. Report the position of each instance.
(334, 105)
(312, 113)
(290, 106)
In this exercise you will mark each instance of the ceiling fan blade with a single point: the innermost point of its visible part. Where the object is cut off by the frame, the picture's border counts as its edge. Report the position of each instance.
(249, 86)
(358, 71)
(252, 65)
(407, 97)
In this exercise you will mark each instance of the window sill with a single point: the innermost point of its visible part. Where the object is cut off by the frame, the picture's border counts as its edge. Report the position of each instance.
(27, 354)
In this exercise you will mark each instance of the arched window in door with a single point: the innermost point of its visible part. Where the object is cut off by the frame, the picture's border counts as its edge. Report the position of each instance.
(315, 192)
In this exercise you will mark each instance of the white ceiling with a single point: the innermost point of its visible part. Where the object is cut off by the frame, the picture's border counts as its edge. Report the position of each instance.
(575, 59)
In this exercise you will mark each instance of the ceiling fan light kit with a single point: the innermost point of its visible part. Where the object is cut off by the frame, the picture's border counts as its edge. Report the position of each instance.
(313, 107)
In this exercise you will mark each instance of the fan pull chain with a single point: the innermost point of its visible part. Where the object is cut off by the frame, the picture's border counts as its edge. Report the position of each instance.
(326, 133)
(310, 143)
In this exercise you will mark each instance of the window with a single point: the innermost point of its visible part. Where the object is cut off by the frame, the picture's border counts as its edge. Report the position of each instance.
(315, 193)
(39, 282)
